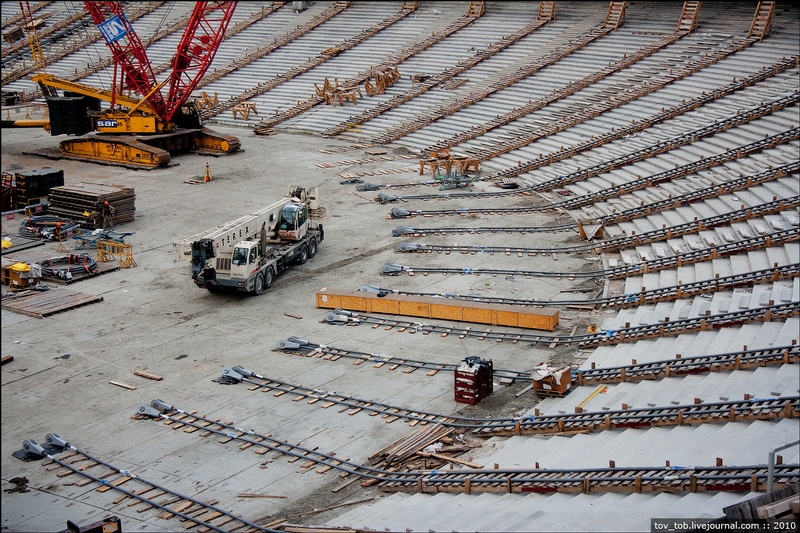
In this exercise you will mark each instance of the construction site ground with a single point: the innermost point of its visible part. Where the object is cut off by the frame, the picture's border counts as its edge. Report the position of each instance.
(153, 319)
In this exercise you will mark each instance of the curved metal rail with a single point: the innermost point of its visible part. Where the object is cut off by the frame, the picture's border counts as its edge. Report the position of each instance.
(197, 513)
(672, 415)
(176, 419)
(616, 479)
(634, 479)
(636, 212)
(679, 366)
(661, 263)
(628, 479)
(579, 422)
(622, 241)
(406, 231)
(674, 327)
(661, 294)
(349, 404)
(608, 336)
(614, 191)
(298, 346)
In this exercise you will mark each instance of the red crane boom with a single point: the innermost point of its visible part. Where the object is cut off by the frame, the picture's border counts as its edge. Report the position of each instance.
(128, 51)
(201, 38)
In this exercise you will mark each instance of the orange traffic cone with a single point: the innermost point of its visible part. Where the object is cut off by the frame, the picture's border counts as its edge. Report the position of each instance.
(207, 177)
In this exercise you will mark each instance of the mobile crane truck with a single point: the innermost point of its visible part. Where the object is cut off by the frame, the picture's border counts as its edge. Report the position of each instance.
(246, 254)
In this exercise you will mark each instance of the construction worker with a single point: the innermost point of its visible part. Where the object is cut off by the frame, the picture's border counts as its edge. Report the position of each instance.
(107, 212)
(57, 231)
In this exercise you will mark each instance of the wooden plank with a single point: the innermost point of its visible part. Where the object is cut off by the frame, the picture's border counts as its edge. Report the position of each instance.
(178, 508)
(223, 440)
(204, 518)
(523, 391)
(147, 375)
(448, 458)
(116, 483)
(123, 385)
(778, 508)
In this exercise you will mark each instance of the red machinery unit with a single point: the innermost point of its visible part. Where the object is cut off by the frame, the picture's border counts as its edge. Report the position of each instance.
(473, 380)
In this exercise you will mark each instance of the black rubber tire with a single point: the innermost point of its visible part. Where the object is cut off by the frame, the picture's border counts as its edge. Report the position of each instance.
(312, 248)
(269, 277)
(303, 255)
(258, 284)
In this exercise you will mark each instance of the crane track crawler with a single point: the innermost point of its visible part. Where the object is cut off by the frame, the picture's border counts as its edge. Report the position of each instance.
(151, 151)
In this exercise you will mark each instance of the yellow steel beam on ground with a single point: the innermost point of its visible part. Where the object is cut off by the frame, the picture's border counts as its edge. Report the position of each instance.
(440, 308)
(598, 390)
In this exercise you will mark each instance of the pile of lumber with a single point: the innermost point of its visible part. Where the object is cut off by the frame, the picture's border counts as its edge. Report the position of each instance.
(414, 444)
(408, 445)
(82, 203)
(410, 451)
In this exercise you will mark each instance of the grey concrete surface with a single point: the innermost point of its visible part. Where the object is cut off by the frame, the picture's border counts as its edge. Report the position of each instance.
(153, 319)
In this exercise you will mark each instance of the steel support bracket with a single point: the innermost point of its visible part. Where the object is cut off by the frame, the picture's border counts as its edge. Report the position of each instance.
(55, 440)
(162, 406)
(146, 410)
(31, 446)
(232, 374)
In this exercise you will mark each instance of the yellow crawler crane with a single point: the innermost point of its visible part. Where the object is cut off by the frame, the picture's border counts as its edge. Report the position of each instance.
(132, 133)
(139, 130)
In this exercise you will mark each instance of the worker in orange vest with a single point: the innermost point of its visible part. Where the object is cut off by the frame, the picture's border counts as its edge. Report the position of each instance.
(107, 212)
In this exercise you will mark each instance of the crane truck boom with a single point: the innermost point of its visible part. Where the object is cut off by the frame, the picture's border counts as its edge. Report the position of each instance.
(247, 253)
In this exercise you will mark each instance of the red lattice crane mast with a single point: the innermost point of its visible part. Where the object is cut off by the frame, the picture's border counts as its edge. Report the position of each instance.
(203, 35)
(128, 52)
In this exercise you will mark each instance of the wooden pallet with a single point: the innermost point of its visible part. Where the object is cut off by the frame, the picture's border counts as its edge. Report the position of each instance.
(41, 304)
(551, 393)
(20, 243)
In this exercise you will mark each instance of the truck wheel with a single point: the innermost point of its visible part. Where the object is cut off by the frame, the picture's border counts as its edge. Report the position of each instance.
(312, 248)
(269, 276)
(303, 255)
(258, 284)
